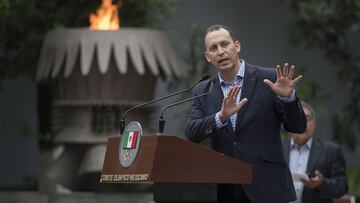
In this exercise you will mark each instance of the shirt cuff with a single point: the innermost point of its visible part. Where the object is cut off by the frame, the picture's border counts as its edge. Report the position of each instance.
(288, 99)
(219, 124)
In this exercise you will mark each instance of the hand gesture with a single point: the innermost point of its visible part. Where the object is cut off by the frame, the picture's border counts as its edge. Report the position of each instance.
(314, 182)
(229, 105)
(285, 84)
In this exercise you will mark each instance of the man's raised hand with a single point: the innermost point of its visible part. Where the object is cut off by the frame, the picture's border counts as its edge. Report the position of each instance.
(229, 105)
(285, 84)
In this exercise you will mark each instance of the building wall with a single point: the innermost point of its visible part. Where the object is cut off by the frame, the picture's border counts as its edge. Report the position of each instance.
(18, 152)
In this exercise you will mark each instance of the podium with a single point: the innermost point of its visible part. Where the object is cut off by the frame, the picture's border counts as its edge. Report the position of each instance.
(174, 164)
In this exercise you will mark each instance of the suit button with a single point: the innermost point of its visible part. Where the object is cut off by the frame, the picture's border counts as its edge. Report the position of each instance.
(235, 143)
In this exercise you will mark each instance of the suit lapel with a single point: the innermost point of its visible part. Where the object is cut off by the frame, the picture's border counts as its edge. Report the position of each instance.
(247, 90)
(315, 152)
(216, 96)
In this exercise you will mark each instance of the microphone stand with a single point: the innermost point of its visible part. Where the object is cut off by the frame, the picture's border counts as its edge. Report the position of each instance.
(122, 121)
(161, 119)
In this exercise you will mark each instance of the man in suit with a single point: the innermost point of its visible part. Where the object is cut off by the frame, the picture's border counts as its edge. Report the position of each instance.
(242, 117)
(322, 160)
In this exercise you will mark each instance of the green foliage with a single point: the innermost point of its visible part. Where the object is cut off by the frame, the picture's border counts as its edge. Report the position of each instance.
(24, 24)
(144, 13)
(354, 180)
(333, 26)
(4, 6)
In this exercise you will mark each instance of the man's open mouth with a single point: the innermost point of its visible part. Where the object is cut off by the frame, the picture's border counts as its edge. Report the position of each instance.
(223, 60)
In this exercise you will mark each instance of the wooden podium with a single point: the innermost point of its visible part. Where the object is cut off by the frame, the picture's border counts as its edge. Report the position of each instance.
(171, 162)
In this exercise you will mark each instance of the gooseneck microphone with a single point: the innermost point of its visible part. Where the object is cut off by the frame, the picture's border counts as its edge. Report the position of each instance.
(122, 121)
(161, 119)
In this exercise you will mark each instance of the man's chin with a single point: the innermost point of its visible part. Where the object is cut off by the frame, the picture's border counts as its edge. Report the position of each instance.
(301, 137)
(225, 66)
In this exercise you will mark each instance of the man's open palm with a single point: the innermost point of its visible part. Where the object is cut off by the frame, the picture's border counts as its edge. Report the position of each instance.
(285, 84)
(229, 105)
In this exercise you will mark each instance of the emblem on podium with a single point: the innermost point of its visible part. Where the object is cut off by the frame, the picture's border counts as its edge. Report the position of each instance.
(130, 144)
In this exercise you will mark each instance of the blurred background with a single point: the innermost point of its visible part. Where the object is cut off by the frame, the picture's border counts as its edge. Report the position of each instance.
(63, 88)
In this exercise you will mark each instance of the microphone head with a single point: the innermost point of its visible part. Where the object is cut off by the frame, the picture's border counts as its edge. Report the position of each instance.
(204, 77)
(214, 78)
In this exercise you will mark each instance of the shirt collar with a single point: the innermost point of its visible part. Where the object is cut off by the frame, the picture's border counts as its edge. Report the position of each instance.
(307, 145)
(238, 76)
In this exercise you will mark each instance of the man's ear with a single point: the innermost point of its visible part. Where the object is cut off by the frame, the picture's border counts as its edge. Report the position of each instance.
(237, 46)
(206, 54)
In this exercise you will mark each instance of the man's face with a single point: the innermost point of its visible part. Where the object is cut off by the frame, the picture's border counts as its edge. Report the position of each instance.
(310, 129)
(221, 50)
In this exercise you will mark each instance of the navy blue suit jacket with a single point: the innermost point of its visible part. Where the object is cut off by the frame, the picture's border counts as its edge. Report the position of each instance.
(327, 158)
(256, 139)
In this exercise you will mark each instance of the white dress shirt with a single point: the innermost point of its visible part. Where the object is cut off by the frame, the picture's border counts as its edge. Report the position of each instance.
(298, 159)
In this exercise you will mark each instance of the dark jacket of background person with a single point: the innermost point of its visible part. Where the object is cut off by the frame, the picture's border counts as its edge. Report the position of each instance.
(326, 157)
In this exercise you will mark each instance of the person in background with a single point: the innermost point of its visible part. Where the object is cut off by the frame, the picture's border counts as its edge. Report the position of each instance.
(242, 117)
(321, 160)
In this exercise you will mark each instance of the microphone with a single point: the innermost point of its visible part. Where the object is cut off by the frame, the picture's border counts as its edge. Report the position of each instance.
(122, 121)
(161, 119)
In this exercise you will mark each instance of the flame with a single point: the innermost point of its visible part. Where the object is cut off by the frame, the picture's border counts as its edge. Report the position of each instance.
(106, 17)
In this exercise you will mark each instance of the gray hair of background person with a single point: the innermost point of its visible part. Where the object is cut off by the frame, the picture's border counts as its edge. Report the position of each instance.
(310, 108)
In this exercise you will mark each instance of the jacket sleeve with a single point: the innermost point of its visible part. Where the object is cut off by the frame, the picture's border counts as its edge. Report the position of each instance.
(336, 185)
(292, 115)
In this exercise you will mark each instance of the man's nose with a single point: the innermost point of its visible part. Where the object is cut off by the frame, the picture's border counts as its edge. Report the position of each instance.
(220, 51)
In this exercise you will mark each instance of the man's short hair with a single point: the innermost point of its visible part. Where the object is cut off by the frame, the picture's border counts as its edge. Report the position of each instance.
(218, 27)
(310, 108)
